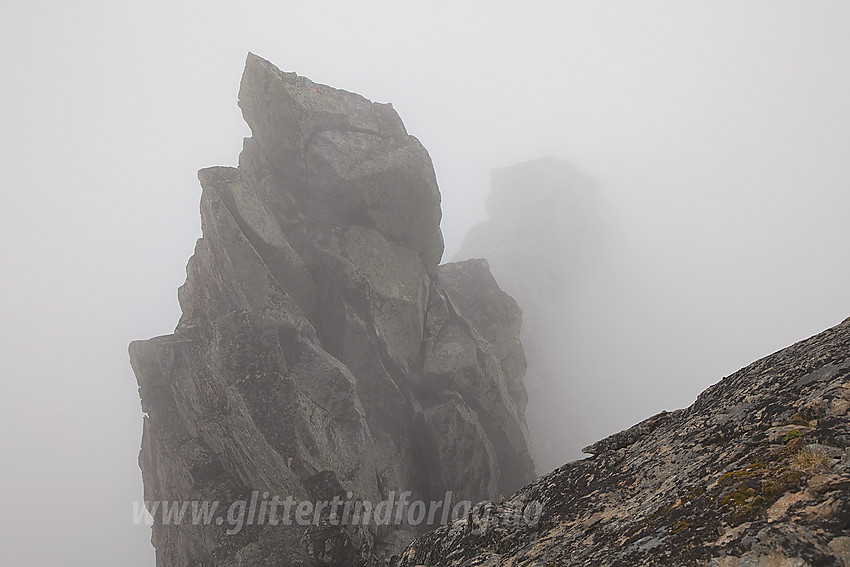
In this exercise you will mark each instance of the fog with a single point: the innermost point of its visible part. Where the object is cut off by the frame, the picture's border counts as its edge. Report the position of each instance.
(719, 133)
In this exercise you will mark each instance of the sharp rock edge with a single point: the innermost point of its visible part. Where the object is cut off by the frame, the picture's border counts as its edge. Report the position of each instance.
(322, 350)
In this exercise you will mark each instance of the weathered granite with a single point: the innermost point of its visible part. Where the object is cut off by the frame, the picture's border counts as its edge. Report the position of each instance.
(755, 473)
(319, 352)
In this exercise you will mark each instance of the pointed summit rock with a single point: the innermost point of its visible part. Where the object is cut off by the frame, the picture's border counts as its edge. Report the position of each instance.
(322, 351)
(353, 157)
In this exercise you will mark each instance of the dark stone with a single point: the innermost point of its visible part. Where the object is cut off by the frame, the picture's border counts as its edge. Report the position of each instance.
(318, 353)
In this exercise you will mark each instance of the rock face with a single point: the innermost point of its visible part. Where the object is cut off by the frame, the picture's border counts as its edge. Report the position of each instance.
(756, 472)
(322, 350)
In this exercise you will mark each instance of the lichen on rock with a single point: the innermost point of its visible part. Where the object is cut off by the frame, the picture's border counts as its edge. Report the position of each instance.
(720, 483)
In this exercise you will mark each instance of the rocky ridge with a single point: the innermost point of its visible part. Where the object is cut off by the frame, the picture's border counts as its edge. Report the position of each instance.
(322, 350)
(755, 473)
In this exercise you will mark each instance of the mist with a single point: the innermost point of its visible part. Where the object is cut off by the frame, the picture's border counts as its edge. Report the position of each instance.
(718, 135)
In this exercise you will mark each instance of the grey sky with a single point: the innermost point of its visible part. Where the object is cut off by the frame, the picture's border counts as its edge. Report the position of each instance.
(719, 131)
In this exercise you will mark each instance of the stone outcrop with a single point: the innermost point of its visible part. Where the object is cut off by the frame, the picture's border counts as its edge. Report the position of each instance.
(546, 220)
(550, 237)
(322, 350)
(756, 472)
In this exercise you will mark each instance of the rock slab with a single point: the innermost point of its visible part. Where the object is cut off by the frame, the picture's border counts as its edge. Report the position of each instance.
(755, 472)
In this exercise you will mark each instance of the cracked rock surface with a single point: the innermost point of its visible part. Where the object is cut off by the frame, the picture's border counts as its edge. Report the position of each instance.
(322, 349)
(755, 473)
